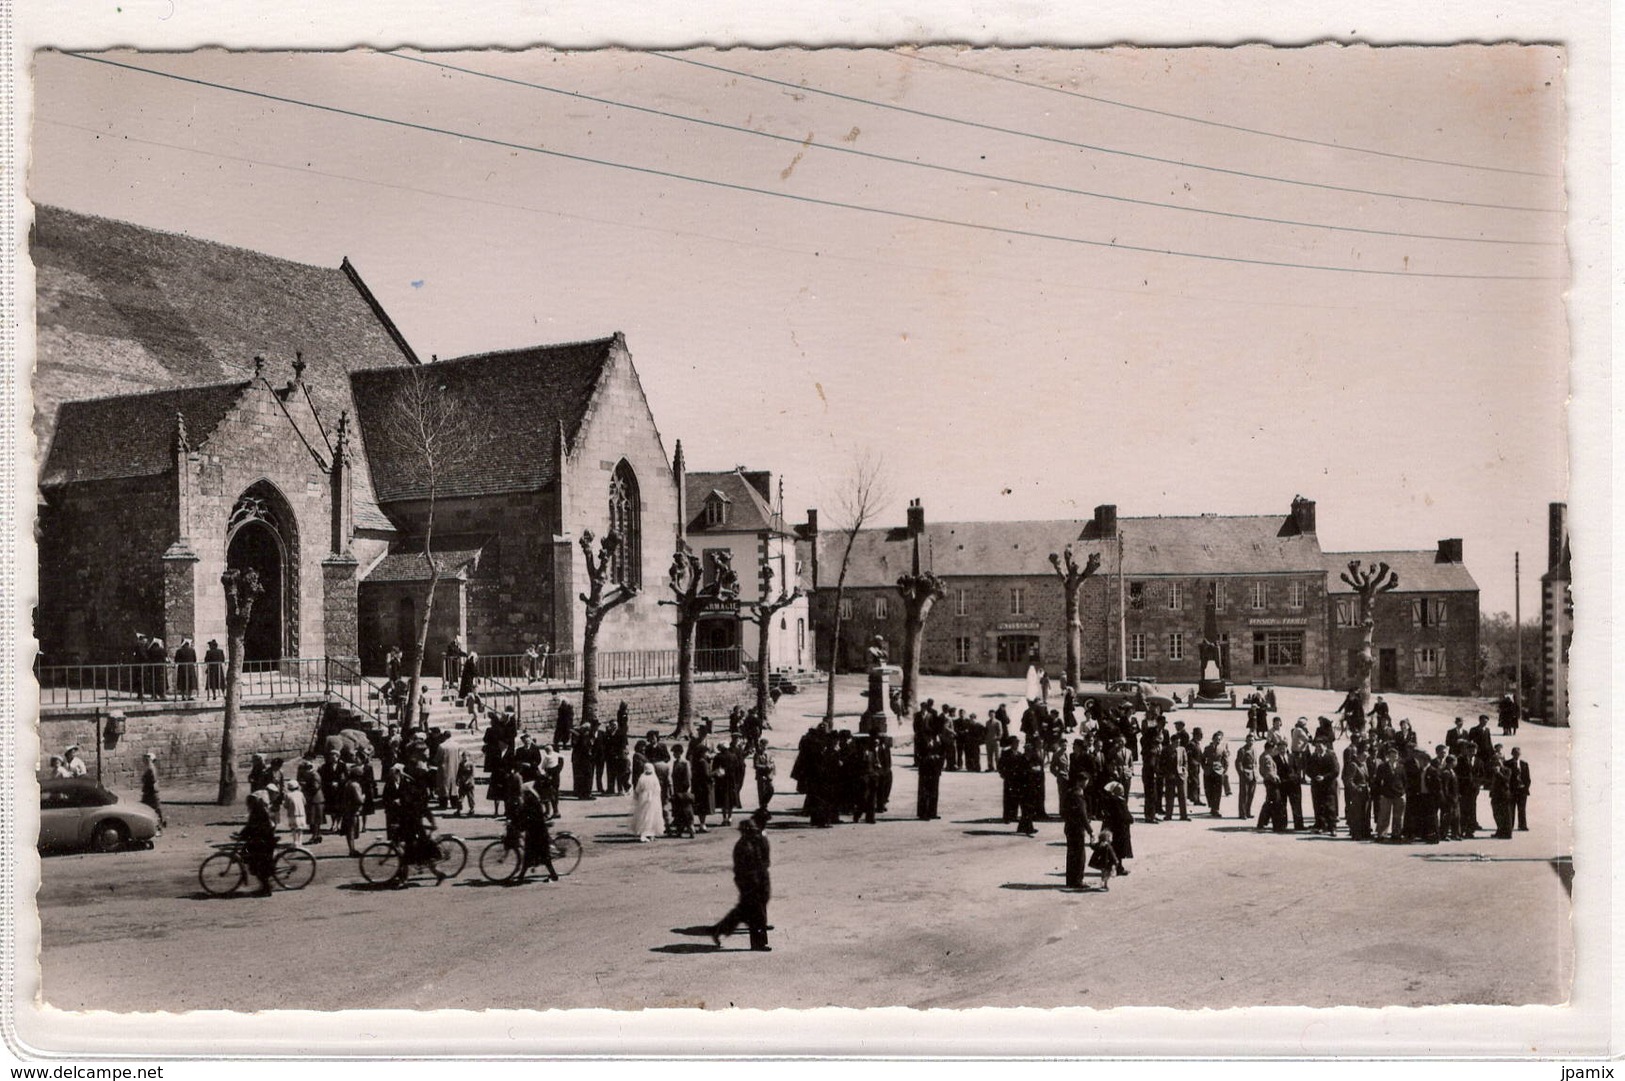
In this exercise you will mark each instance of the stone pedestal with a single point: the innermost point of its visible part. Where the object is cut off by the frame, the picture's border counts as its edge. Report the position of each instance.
(875, 718)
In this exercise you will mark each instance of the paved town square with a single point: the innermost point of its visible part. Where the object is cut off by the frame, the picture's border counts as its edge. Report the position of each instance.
(787, 528)
(957, 912)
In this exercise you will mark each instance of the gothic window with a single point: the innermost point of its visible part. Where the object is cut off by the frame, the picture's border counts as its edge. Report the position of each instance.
(626, 522)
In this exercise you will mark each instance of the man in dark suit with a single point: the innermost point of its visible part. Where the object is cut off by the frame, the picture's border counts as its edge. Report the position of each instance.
(929, 756)
(1075, 819)
(1483, 739)
(1520, 787)
(1291, 765)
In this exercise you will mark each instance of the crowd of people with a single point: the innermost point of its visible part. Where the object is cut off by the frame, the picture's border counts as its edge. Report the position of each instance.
(1077, 763)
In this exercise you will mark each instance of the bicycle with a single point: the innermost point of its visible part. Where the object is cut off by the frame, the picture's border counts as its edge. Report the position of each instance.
(384, 861)
(226, 872)
(504, 858)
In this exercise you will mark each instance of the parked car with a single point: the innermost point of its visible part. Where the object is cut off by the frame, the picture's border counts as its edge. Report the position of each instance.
(1127, 691)
(77, 812)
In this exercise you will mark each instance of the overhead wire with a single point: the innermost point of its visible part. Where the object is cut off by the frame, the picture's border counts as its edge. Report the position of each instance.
(972, 173)
(1377, 193)
(1041, 283)
(792, 197)
(914, 55)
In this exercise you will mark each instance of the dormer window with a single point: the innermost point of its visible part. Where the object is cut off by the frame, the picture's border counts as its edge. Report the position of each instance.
(716, 510)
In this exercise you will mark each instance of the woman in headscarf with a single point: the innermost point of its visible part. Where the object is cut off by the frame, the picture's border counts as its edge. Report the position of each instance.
(647, 821)
(186, 670)
(214, 663)
(471, 675)
(700, 782)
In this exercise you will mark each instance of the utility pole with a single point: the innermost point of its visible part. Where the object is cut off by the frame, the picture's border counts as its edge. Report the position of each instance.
(1517, 622)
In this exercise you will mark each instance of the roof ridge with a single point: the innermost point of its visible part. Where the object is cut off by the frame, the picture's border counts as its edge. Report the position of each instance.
(490, 354)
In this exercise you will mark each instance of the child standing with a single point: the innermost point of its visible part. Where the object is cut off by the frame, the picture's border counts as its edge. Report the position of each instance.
(464, 792)
(1103, 858)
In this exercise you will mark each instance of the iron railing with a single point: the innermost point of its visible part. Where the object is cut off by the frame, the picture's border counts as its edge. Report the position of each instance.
(87, 684)
(614, 665)
(346, 683)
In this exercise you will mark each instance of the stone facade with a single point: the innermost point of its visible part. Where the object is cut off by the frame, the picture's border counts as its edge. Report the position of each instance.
(977, 612)
(507, 601)
(1450, 663)
(618, 426)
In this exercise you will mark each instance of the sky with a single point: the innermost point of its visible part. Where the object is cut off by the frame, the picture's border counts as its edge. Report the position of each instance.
(1030, 281)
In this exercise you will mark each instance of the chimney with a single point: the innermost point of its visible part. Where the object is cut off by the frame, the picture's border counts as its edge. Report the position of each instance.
(1557, 534)
(916, 529)
(1303, 516)
(1449, 551)
(1106, 520)
(812, 537)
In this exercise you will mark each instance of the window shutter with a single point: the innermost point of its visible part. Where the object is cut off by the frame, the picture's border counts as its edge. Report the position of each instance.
(1439, 668)
(1441, 612)
(1416, 613)
(1416, 661)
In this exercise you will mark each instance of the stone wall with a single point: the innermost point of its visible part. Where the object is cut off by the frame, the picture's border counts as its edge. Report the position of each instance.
(651, 704)
(186, 739)
(101, 572)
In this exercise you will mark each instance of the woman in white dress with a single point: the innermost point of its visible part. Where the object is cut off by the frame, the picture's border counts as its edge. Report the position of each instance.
(647, 821)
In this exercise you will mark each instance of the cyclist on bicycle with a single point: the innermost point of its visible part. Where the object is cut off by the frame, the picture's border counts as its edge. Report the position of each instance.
(415, 824)
(532, 819)
(259, 838)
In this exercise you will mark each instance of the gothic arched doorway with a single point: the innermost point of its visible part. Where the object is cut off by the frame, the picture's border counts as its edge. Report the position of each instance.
(261, 536)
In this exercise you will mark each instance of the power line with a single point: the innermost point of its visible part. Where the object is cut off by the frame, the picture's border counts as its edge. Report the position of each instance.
(805, 89)
(1222, 124)
(814, 144)
(806, 199)
(925, 268)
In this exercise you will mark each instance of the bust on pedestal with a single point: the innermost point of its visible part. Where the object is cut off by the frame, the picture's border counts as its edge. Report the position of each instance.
(874, 719)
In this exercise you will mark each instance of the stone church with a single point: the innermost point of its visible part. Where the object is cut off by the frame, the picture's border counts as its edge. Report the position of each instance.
(200, 407)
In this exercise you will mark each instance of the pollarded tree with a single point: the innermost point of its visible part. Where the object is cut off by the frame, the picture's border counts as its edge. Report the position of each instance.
(242, 590)
(1072, 578)
(1367, 583)
(603, 597)
(693, 596)
(762, 613)
(919, 590)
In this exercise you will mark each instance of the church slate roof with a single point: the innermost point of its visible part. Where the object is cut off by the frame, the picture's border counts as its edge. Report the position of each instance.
(404, 563)
(132, 435)
(517, 401)
(123, 309)
(1419, 571)
(748, 509)
(1191, 546)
